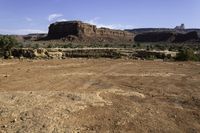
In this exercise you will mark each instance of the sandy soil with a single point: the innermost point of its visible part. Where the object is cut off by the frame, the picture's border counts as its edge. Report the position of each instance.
(99, 95)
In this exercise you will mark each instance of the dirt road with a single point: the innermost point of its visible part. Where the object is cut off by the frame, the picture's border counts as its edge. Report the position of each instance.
(99, 95)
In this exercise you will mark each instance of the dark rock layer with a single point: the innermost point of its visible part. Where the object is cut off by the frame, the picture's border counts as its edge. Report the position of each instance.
(167, 37)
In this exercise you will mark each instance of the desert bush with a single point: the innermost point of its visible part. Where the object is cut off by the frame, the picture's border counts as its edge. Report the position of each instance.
(106, 45)
(69, 45)
(148, 48)
(134, 46)
(187, 55)
(20, 45)
(6, 44)
(171, 48)
(50, 46)
(36, 46)
(1, 53)
(151, 57)
(138, 44)
(160, 47)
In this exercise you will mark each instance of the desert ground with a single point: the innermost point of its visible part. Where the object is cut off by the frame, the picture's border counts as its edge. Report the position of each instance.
(99, 95)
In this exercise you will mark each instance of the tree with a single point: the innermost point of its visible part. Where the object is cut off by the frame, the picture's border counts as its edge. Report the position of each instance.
(6, 44)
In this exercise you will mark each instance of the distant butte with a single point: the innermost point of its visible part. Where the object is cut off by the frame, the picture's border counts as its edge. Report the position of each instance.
(77, 30)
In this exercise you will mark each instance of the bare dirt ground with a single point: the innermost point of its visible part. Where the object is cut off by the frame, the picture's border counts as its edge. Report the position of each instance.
(99, 95)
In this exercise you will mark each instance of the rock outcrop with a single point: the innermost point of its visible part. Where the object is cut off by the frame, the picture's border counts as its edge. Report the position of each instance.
(77, 30)
(167, 37)
(181, 27)
(178, 29)
(154, 37)
(191, 36)
(62, 53)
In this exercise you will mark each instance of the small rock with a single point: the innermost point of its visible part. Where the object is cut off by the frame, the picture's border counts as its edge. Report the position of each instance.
(13, 121)
(21, 118)
(6, 76)
(4, 126)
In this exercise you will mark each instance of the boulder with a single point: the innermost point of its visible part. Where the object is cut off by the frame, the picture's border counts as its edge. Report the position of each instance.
(55, 55)
(41, 53)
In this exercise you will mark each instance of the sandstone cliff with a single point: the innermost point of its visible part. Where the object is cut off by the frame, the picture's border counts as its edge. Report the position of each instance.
(77, 30)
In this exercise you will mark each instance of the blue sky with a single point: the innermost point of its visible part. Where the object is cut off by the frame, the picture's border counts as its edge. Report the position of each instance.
(30, 16)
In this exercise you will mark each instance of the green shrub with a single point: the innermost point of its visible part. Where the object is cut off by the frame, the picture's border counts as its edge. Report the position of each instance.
(151, 57)
(134, 46)
(6, 44)
(148, 48)
(160, 47)
(186, 55)
(50, 46)
(36, 46)
(69, 45)
(138, 44)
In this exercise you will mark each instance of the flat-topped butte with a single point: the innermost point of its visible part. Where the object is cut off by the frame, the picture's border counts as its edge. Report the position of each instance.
(84, 31)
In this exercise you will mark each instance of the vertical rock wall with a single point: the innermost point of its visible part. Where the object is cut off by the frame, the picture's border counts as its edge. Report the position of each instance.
(86, 31)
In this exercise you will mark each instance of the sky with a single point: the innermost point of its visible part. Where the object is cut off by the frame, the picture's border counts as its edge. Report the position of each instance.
(34, 16)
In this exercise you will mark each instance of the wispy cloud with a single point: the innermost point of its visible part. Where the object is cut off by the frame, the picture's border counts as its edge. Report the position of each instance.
(60, 20)
(21, 31)
(95, 21)
(29, 19)
(54, 16)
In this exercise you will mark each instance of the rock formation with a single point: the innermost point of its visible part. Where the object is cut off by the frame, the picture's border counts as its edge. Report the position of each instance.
(191, 36)
(177, 29)
(62, 53)
(73, 30)
(167, 37)
(181, 27)
(154, 37)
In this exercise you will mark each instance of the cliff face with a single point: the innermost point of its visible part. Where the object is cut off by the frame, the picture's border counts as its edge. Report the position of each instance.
(154, 37)
(190, 36)
(167, 37)
(84, 31)
(176, 30)
(61, 29)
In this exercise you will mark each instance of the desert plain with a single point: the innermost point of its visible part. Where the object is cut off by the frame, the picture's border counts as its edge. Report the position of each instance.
(99, 95)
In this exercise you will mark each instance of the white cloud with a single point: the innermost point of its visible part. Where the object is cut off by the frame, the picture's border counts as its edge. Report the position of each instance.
(60, 20)
(111, 26)
(29, 19)
(94, 21)
(21, 31)
(54, 16)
